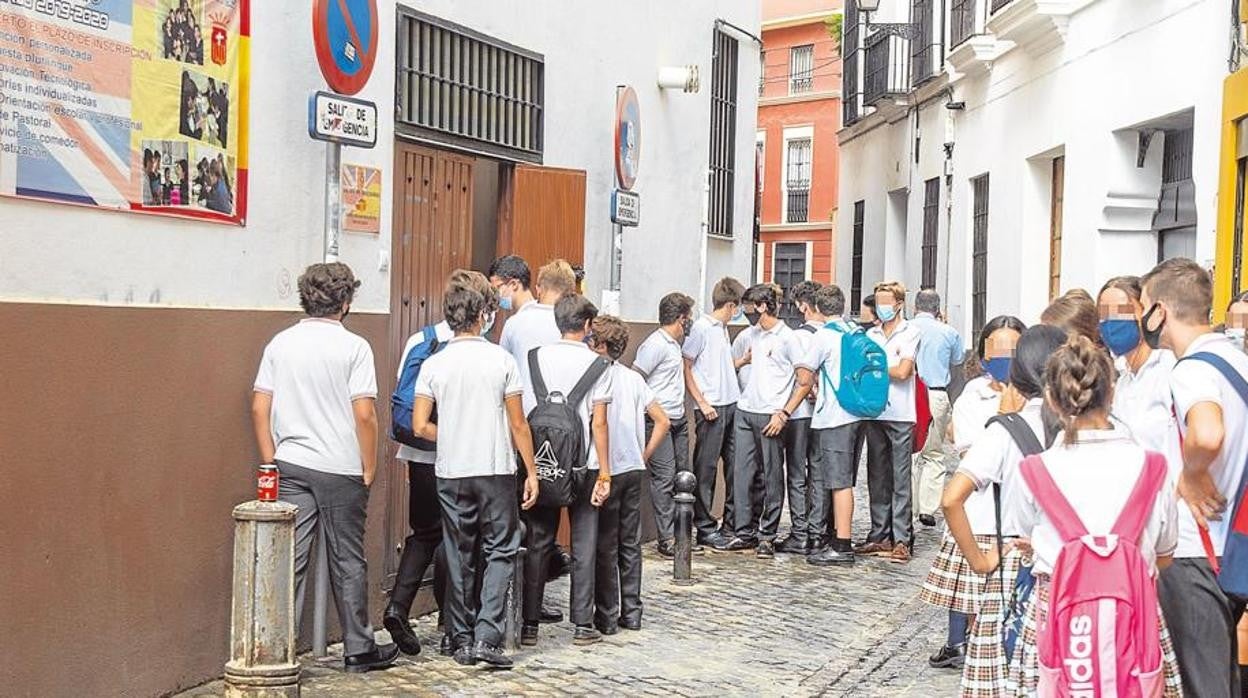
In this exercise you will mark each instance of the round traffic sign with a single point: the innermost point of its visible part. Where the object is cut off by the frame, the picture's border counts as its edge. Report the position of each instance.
(627, 137)
(345, 33)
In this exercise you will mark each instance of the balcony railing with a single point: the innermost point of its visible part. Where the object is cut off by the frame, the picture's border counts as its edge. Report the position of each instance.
(887, 71)
(961, 21)
(998, 4)
(800, 83)
(797, 208)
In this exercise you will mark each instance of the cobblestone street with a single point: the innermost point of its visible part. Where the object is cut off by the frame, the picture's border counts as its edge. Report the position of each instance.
(747, 627)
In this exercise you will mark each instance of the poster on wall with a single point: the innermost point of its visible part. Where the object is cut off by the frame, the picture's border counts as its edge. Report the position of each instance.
(137, 105)
(361, 199)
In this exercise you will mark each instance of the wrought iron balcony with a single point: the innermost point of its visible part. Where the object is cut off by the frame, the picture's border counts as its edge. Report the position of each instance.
(998, 4)
(887, 72)
(797, 197)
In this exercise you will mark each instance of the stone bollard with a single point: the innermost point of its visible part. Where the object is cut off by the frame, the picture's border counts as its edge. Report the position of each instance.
(682, 564)
(262, 626)
(515, 596)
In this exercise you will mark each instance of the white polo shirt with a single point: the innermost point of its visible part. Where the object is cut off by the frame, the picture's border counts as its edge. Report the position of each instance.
(805, 336)
(532, 326)
(1194, 382)
(742, 344)
(314, 371)
(660, 361)
(626, 420)
(993, 458)
(469, 381)
(776, 355)
(824, 357)
(902, 345)
(971, 411)
(444, 334)
(562, 364)
(1096, 475)
(710, 351)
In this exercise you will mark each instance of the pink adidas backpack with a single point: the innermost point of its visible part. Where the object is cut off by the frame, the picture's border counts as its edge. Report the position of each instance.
(1100, 637)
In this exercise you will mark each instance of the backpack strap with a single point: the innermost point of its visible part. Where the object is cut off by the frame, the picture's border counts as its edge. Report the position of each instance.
(535, 376)
(1020, 431)
(587, 381)
(1050, 498)
(807, 328)
(1130, 523)
(431, 336)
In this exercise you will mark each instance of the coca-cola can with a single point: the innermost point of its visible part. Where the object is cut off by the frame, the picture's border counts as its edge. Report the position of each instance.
(266, 483)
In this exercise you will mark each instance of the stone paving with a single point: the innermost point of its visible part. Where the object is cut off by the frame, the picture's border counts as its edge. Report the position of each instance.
(747, 627)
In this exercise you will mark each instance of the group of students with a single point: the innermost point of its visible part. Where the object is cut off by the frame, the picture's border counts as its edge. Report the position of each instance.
(1110, 436)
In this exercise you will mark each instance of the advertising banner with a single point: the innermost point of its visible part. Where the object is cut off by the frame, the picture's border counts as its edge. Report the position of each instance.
(138, 105)
(361, 199)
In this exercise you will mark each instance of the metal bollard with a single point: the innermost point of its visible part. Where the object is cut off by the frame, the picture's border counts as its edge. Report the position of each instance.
(515, 596)
(682, 564)
(262, 625)
(320, 598)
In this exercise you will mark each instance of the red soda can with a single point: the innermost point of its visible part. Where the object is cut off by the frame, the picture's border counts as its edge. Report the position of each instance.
(266, 483)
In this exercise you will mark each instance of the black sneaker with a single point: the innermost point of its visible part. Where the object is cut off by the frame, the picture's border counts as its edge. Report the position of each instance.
(586, 635)
(713, 538)
(492, 655)
(792, 545)
(528, 634)
(829, 556)
(666, 548)
(607, 629)
(550, 615)
(927, 520)
(465, 657)
(382, 657)
(401, 632)
(766, 550)
(735, 545)
(446, 647)
(948, 657)
(630, 624)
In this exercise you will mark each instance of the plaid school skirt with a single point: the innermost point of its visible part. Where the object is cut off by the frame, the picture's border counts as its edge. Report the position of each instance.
(986, 668)
(951, 583)
(1025, 666)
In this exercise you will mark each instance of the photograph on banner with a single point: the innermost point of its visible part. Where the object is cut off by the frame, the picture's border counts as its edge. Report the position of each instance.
(166, 166)
(181, 30)
(205, 109)
(131, 111)
(212, 185)
(361, 199)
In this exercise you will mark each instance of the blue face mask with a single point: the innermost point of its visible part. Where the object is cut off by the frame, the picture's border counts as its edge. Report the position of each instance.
(739, 316)
(504, 302)
(1121, 336)
(886, 313)
(998, 368)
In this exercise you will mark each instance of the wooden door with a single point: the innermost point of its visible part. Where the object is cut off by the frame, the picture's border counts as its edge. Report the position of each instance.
(542, 215)
(1056, 198)
(432, 236)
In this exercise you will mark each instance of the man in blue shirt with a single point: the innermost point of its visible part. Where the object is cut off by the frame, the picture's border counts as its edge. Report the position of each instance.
(940, 347)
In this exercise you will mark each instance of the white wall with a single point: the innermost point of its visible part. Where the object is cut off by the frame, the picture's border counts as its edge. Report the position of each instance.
(1120, 65)
(59, 253)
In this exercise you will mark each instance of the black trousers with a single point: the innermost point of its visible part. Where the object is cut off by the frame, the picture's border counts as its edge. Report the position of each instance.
(889, 458)
(757, 455)
(1202, 623)
(617, 581)
(479, 512)
(714, 442)
(543, 525)
(671, 457)
(424, 546)
(797, 474)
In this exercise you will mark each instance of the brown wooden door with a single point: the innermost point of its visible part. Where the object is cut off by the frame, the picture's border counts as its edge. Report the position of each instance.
(542, 215)
(1056, 198)
(432, 236)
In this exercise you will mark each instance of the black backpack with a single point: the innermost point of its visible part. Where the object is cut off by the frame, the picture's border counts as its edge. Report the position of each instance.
(561, 455)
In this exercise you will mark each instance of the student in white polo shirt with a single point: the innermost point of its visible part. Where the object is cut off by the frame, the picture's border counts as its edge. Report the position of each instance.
(476, 388)
(889, 455)
(1177, 297)
(711, 379)
(760, 423)
(660, 361)
(807, 512)
(562, 365)
(315, 417)
(617, 581)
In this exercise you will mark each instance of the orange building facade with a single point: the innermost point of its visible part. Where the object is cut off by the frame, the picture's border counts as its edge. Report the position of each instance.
(799, 114)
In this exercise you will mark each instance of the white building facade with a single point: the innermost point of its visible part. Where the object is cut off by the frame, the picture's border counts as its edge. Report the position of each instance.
(1005, 151)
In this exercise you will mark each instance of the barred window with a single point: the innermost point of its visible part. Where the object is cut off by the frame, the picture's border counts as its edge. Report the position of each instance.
(979, 254)
(723, 134)
(855, 282)
(931, 229)
(466, 90)
(801, 68)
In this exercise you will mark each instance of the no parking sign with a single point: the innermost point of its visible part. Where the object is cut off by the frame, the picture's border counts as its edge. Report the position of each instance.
(345, 33)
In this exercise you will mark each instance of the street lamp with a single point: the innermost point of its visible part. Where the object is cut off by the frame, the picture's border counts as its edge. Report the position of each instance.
(904, 30)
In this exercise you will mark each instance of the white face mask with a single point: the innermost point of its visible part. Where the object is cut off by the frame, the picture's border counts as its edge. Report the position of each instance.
(487, 323)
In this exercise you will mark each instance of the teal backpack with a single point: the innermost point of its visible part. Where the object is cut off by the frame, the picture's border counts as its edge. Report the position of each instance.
(863, 389)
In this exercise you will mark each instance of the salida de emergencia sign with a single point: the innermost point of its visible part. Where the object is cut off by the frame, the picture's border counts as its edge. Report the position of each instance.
(342, 120)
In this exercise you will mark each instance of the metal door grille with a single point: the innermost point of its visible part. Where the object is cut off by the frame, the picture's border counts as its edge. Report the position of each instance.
(931, 228)
(855, 287)
(723, 134)
(979, 255)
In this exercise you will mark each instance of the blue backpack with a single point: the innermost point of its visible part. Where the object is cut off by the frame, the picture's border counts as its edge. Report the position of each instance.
(403, 399)
(863, 390)
(1232, 569)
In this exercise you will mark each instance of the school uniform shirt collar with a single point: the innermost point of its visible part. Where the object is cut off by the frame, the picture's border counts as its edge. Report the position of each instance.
(1124, 367)
(574, 343)
(712, 319)
(443, 332)
(325, 320)
(534, 305)
(1100, 436)
(667, 337)
(903, 326)
(983, 390)
(469, 338)
(1205, 341)
(775, 329)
